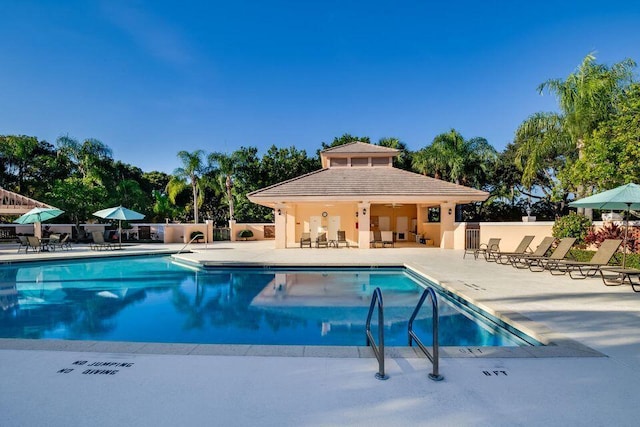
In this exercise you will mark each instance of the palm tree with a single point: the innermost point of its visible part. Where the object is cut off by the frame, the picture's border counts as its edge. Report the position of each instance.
(541, 139)
(403, 159)
(87, 155)
(453, 158)
(587, 97)
(223, 169)
(193, 168)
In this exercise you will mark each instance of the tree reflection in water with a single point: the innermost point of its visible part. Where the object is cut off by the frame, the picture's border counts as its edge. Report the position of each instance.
(225, 300)
(169, 303)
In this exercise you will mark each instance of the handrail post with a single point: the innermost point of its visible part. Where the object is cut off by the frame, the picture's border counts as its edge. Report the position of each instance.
(197, 236)
(434, 357)
(378, 350)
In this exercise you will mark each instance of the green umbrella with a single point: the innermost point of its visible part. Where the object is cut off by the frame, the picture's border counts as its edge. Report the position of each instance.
(120, 213)
(38, 215)
(623, 198)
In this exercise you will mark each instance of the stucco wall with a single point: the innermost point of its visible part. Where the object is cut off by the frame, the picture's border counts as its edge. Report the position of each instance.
(346, 212)
(256, 228)
(511, 233)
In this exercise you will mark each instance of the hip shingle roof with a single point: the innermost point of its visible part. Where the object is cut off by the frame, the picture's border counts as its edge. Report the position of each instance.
(366, 181)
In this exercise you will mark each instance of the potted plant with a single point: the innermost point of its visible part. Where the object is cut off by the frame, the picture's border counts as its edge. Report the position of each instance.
(196, 236)
(245, 234)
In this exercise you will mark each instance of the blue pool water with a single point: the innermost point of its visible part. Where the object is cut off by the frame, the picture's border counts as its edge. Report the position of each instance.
(153, 299)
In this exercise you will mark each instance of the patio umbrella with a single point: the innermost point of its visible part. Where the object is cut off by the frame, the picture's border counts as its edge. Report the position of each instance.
(37, 215)
(623, 198)
(120, 213)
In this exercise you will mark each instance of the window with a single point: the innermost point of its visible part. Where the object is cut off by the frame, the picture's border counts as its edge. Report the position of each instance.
(380, 161)
(360, 161)
(433, 214)
(338, 162)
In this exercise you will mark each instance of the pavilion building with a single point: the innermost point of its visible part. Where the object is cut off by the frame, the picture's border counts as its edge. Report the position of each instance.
(359, 191)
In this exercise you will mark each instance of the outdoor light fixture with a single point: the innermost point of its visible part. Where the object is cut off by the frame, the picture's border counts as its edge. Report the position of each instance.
(449, 211)
(280, 211)
(364, 211)
(356, 214)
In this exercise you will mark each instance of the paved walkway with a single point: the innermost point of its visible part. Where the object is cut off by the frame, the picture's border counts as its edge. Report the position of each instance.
(593, 379)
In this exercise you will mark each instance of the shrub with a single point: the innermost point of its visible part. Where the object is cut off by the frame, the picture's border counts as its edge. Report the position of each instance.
(610, 231)
(572, 225)
(199, 235)
(245, 234)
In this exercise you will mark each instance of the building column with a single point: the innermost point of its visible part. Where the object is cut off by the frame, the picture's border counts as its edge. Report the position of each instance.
(364, 225)
(447, 224)
(280, 219)
(232, 230)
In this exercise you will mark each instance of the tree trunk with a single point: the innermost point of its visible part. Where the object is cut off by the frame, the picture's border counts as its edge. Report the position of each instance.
(580, 190)
(195, 203)
(229, 185)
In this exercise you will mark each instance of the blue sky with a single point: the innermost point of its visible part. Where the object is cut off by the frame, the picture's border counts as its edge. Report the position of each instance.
(150, 78)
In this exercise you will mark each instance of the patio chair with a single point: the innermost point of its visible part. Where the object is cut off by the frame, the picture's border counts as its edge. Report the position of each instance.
(537, 264)
(98, 242)
(492, 245)
(376, 237)
(305, 240)
(590, 268)
(387, 238)
(498, 256)
(58, 242)
(322, 241)
(541, 250)
(24, 243)
(54, 241)
(342, 238)
(35, 244)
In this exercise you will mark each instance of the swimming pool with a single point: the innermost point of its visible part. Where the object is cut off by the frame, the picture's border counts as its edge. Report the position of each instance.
(155, 299)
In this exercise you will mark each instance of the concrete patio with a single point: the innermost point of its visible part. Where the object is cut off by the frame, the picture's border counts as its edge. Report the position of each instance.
(590, 376)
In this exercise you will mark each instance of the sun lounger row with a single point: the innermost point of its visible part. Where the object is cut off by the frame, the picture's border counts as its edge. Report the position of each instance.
(557, 263)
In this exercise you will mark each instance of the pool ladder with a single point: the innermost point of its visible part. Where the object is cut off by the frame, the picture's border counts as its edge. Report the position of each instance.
(434, 357)
(378, 350)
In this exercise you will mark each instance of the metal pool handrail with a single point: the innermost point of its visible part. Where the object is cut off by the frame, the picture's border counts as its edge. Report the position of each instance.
(196, 237)
(378, 350)
(435, 356)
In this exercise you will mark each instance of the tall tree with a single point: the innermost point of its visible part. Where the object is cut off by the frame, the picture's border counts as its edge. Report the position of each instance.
(404, 159)
(453, 158)
(18, 152)
(78, 198)
(29, 166)
(586, 98)
(89, 157)
(189, 174)
(543, 147)
(223, 167)
(612, 152)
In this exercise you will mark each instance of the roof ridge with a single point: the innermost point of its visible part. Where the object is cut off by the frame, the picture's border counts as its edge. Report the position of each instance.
(343, 145)
(370, 148)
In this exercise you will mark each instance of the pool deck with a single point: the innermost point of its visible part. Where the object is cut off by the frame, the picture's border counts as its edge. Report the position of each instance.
(591, 375)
